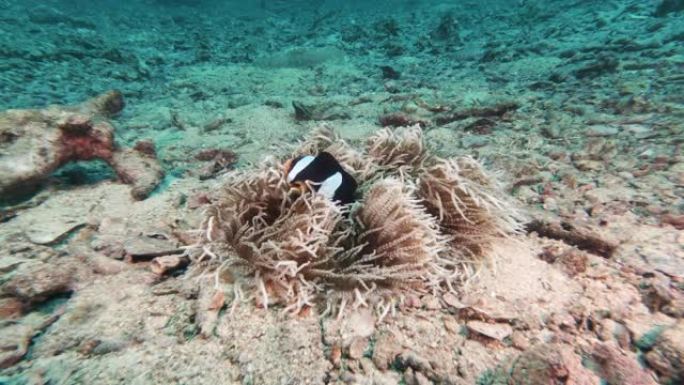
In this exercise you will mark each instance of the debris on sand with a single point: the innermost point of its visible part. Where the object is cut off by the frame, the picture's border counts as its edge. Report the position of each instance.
(543, 364)
(573, 235)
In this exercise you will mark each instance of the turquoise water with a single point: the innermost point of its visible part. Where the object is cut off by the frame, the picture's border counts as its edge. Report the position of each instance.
(197, 61)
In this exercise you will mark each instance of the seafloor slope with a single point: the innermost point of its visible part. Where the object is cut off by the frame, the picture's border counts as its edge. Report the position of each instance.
(579, 103)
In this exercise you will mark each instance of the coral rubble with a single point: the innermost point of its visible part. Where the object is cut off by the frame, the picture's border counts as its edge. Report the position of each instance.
(34, 143)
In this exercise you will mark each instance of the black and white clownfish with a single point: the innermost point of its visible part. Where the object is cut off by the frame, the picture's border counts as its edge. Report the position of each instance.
(324, 174)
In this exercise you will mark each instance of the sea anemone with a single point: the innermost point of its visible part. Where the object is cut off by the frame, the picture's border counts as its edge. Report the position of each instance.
(398, 151)
(396, 238)
(282, 242)
(469, 206)
(399, 237)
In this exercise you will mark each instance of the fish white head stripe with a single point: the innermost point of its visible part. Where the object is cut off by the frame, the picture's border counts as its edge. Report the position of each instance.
(299, 166)
(330, 185)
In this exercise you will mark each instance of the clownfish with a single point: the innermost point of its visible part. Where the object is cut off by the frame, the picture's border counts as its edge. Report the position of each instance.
(324, 174)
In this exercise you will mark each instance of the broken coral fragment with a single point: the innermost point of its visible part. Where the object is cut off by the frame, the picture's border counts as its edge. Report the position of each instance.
(36, 142)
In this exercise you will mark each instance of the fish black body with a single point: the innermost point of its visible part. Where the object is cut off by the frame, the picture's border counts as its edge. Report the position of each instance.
(324, 174)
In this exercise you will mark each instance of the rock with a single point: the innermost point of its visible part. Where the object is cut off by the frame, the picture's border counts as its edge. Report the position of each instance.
(400, 119)
(97, 347)
(357, 348)
(10, 307)
(447, 30)
(544, 364)
(167, 264)
(603, 65)
(417, 362)
(572, 260)
(360, 323)
(640, 131)
(389, 73)
(9, 263)
(15, 342)
(451, 325)
(431, 302)
(451, 301)
(665, 262)
(656, 295)
(139, 169)
(675, 308)
(52, 231)
(54, 220)
(519, 340)
(602, 130)
(386, 378)
(496, 331)
(667, 355)
(474, 141)
(386, 351)
(588, 165)
(609, 331)
(218, 161)
(491, 310)
(676, 221)
(420, 379)
(105, 265)
(41, 141)
(619, 367)
(146, 248)
(34, 283)
(644, 329)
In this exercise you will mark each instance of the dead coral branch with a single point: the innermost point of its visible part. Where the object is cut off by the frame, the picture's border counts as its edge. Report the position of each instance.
(583, 239)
